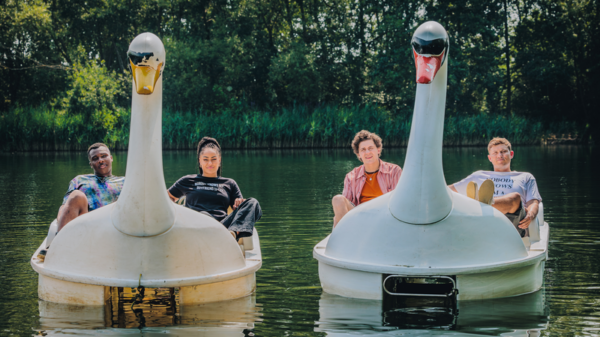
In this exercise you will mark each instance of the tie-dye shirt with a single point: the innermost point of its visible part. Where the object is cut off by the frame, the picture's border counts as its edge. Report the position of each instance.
(100, 191)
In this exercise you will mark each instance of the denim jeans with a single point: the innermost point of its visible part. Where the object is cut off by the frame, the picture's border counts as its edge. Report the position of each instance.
(243, 218)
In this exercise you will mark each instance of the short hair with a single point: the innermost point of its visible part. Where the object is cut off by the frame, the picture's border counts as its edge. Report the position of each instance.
(499, 141)
(363, 135)
(95, 146)
(209, 143)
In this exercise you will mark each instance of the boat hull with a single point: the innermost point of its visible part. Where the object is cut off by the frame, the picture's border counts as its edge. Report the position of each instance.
(366, 285)
(75, 287)
(512, 278)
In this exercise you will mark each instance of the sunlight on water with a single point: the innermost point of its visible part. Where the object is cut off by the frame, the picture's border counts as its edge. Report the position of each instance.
(295, 188)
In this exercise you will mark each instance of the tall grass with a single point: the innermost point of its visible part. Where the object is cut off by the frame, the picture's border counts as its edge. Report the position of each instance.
(35, 129)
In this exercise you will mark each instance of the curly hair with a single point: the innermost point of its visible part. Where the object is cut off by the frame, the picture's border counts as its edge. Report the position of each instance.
(363, 135)
(209, 143)
(499, 141)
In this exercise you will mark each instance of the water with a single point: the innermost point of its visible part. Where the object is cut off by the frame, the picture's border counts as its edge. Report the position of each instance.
(294, 188)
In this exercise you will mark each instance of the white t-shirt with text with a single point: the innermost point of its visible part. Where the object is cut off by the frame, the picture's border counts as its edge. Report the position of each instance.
(504, 183)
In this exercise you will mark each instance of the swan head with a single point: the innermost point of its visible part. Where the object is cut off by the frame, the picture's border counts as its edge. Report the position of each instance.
(146, 60)
(430, 45)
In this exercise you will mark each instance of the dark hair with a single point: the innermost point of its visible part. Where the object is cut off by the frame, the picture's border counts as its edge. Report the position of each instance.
(211, 143)
(95, 146)
(363, 135)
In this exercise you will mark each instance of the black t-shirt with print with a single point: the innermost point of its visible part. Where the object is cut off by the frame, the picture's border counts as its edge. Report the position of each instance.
(212, 195)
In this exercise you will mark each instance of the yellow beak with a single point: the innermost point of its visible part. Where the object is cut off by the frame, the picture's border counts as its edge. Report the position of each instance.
(145, 78)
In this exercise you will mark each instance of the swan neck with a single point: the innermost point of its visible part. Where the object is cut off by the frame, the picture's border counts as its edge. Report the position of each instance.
(144, 207)
(422, 195)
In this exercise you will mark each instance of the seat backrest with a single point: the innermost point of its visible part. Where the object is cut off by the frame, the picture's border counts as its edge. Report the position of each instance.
(534, 227)
(248, 243)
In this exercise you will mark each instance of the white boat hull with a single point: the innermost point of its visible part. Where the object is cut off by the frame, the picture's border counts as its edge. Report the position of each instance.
(78, 288)
(511, 278)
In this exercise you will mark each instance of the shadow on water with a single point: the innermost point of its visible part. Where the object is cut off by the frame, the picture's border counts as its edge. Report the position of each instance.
(158, 313)
(295, 188)
(525, 315)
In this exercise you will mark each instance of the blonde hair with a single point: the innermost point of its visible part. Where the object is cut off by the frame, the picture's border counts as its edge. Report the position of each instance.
(499, 141)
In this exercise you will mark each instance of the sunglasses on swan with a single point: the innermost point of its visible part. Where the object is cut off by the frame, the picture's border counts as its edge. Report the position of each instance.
(431, 47)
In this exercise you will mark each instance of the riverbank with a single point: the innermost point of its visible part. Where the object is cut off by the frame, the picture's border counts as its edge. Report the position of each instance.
(45, 129)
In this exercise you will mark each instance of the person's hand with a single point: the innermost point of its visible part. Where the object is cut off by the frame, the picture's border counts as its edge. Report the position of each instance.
(238, 202)
(523, 224)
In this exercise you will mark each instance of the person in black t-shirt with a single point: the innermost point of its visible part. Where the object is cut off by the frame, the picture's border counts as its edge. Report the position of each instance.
(212, 194)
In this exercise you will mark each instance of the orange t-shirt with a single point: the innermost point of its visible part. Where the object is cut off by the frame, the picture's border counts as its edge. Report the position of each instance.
(371, 189)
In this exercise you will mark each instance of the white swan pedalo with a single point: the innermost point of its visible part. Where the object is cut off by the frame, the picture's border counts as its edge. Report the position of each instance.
(422, 239)
(144, 238)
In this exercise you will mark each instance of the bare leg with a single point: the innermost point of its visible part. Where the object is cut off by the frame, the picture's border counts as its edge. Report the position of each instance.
(76, 205)
(341, 206)
(507, 203)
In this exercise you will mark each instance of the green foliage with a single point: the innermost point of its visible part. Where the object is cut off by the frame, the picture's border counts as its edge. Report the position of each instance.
(294, 76)
(533, 58)
(94, 97)
(327, 126)
(94, 88)
(31, 69)
(45, 128)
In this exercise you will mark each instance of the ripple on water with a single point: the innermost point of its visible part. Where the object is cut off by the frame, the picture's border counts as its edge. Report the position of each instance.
(295, 190)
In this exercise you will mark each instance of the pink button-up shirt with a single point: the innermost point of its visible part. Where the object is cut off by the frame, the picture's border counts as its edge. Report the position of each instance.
(388, 177)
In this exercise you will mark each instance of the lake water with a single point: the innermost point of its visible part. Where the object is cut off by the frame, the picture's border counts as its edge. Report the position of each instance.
(294, 188)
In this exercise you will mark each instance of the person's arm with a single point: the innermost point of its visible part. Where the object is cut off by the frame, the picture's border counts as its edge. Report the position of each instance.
(236, 195)
(462, 184)
(73, 185)
(396, 176)
(348, 193)
(172, 197)
(532, 208)
(176, 191)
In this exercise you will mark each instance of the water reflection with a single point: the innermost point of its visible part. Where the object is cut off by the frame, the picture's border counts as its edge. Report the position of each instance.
(525, 315)
(295, 188)
(157, 314)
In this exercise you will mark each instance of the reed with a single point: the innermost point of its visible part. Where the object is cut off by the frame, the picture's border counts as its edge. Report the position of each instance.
(43, 128)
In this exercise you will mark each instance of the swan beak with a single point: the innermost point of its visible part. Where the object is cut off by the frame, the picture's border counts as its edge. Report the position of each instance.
(145, 78)
(427, 67)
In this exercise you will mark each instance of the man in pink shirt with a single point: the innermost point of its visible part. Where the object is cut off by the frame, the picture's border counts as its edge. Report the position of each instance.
(368, 181)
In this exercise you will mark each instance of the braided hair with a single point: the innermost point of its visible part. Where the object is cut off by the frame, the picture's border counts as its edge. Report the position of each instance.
(210, 143)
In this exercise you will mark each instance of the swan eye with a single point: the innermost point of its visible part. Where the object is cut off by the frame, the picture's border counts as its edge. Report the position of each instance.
(430, 47)
(139, 58)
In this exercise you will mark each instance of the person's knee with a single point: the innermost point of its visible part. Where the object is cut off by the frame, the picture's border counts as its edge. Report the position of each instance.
(251, 201)
(338, 201)
(514, 197)
(77, 198)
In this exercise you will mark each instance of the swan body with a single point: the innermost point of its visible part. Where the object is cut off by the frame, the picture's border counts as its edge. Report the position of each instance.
(144, 238)
(422, 230)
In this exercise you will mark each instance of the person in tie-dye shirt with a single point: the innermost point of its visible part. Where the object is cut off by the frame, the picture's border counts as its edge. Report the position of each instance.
(91, 191)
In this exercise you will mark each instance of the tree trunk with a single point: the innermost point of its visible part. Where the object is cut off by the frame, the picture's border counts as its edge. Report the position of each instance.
(506, 40)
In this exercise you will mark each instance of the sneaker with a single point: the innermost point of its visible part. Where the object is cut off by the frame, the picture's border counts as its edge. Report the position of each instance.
(233, 234)
(472, 190)
(42, 255)
(486, 192)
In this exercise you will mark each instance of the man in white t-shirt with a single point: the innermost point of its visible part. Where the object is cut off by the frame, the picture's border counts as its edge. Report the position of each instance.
(516, 194)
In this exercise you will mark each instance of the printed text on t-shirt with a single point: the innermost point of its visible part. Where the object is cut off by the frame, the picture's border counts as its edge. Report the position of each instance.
(500, 183)
(208, 186)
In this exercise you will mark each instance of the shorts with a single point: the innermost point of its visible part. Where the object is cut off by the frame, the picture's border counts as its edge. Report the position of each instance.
(516, 217)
